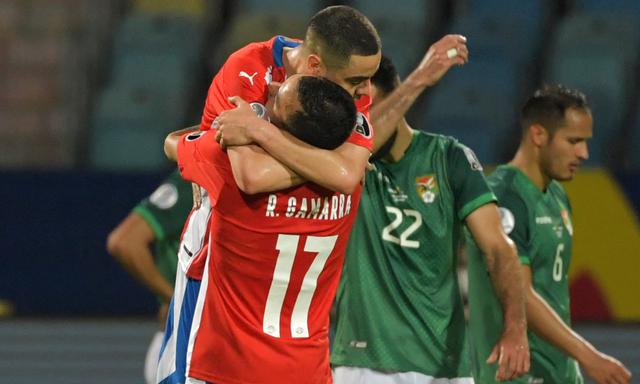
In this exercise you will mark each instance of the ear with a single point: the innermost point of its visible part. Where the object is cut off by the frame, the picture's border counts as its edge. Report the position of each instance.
(539, 135)
(315, 66)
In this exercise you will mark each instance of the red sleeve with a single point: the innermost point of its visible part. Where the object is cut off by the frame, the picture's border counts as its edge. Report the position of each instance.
(202, 161)
(243, 74)
(362, 134)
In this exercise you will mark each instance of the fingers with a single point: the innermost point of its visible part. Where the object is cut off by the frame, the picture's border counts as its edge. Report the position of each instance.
(493, 356)
(274, 87)
(237, 101)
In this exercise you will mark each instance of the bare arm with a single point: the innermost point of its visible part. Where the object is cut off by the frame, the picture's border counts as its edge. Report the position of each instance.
(512, 350)
(255, 171)
(172, 140)
(547, 324)
(386, 114)
(130, 243)
(339, 170)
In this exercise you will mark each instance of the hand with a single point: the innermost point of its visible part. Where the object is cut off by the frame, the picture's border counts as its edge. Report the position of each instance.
(511, 353)
(442, 55)
(605, 369)
(234, 126)
(197, 196)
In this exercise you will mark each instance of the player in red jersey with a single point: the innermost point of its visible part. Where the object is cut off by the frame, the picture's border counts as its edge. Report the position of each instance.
(342, 45)
(275, 258)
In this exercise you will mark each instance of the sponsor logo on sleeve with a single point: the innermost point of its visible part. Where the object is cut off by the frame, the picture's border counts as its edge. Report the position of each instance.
(507, 220)
(165, 196)
(362, 126)
(472, 159)
(196, 135)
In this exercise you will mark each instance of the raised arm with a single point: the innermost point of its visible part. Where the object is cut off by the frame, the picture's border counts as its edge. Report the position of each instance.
(512, 350)
(440, 57)
(547, 324)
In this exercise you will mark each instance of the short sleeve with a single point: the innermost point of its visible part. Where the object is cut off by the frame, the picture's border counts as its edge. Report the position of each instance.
(167, 208)
(362, 134)
(242, 76)
(202, 161)
(469, 186)
(515, 223)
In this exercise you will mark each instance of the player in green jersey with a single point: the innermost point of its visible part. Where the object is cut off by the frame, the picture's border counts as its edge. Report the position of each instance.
(556, 124)
(156, 221)
(399, 312)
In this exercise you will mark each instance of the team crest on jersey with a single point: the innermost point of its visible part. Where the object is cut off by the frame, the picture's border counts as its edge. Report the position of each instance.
(427, 188)
(567, 221)
(362, 125)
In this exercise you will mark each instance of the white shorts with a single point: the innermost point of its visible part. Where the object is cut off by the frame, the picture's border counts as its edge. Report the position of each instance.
(358, 375)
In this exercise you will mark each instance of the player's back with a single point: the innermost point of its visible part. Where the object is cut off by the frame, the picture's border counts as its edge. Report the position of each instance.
(274, 265)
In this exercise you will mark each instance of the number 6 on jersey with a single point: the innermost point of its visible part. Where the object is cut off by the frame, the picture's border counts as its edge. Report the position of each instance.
(287, 246)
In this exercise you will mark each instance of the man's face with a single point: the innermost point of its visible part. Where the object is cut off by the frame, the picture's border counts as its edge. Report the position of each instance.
(563, 152)
(355, 76)
(285, 101)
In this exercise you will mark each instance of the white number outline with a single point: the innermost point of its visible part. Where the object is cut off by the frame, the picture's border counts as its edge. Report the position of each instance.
(557, 264)
(403, 240)
(287, 246)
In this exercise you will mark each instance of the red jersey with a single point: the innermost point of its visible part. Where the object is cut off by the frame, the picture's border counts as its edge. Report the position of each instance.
(247, 73)
(274, 264)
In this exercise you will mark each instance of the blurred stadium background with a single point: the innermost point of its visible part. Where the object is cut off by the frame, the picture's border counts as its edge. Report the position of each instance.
(89, 89)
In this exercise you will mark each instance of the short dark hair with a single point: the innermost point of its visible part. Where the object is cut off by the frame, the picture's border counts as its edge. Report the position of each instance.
(327, 116)
(386, 77)
(338, 32)
(547, 106)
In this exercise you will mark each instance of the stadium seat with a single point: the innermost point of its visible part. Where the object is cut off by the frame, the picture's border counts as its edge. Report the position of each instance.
(607, 6)
(256, 27)
(129, 126)
(159, 34)
(405, 31)
(533, 15)
(478, 113)
(617, 35)
(192, 8)
(490, 36)
(297, 8)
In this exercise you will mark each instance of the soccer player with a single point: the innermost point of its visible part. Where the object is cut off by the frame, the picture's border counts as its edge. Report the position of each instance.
(275, 258)
(556, 124)
(156, 221)
(399, 312)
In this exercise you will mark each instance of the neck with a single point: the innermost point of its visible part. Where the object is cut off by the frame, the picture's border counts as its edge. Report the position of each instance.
(527, 161)
(402, 143)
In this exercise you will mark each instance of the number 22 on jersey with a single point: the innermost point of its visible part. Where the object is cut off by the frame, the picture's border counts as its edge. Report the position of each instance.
(403, 240)
(287, 247)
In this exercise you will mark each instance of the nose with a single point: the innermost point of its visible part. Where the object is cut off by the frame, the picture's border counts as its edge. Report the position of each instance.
(583, 151)
(363, 89)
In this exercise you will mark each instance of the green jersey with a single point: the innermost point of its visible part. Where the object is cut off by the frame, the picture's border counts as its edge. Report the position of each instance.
(398, 305)
(539, 223)
(166, 211)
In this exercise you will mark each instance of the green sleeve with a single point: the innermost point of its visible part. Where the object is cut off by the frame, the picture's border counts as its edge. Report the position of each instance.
(516, 224)
(469, 186)
(167, 208)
